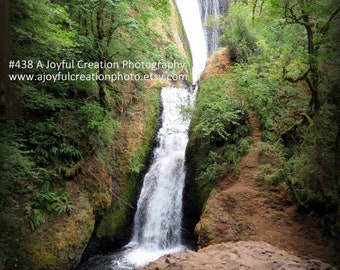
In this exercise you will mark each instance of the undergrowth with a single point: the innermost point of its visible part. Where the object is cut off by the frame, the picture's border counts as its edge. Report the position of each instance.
(218, 139)
(300, 147)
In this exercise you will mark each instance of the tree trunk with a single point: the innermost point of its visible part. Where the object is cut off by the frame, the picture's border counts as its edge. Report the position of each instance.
(253, 13)
(337, 175)
(10, 100)
(101, 85)
(313, 78)
(102, 95)
(101, 73)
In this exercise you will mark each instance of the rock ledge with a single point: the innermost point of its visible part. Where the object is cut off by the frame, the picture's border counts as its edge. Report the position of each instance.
(237, 255)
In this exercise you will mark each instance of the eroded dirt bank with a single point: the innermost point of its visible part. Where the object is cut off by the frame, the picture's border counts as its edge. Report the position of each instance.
(240, 209)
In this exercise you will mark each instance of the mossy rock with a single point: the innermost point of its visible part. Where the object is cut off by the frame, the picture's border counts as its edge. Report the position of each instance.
(112, 226)
(56, 244)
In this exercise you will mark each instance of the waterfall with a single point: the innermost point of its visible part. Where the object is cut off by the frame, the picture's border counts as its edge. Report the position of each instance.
(210, 10)
(158, 218)
(191, 19)
(159, 211)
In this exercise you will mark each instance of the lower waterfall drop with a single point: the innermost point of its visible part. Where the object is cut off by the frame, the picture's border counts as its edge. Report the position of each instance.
(157, 227)
(158, 219)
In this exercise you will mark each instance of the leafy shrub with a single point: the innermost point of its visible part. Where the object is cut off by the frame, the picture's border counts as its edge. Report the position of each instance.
(49, 145)
(305, 167)
(46, 201)
(238, 36)
(21, 179)
(15, 165)
(99, 127)
(218, 117)
(41, 103)
(218, 138)
(314, 181)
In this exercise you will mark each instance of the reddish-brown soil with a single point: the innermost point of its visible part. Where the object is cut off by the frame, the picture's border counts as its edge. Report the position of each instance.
(240, 209)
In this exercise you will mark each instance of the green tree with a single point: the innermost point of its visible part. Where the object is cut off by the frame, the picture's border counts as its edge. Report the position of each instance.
(111, 31)
(238, 35)
(316, 17)
(40, 30)
(299, 53)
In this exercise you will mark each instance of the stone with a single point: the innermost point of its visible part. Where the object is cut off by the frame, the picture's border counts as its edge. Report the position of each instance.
(236, 255)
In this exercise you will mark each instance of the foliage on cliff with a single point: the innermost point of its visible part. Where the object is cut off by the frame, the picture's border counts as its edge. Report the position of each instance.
(71, 143)
(286, 64)
(218, 138)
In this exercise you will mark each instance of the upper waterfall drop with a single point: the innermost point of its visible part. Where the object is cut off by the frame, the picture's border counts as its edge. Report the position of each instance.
(211, 9)
(191, 19)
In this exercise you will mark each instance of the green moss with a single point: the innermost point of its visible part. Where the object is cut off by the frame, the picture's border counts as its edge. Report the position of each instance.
(131, 165)
(102, 200)
(130, 162)
(112, 225)
(40, 259)
(76, 142)
(57, 244)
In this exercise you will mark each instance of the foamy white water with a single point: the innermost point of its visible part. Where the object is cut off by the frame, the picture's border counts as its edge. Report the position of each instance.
(158, 219)
(157, 228)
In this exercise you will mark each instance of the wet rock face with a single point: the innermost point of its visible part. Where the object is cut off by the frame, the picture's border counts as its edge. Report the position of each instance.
(239, 255)
(57, 245)
(59, 242)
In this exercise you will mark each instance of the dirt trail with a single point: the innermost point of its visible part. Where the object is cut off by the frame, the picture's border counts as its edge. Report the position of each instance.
(239, 209)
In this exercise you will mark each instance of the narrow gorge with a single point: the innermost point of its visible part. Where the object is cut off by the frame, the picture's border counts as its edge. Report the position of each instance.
(157, 226)
(179, 134)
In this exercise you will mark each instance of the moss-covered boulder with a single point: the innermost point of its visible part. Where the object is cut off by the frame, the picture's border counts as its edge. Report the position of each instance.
(59, 242)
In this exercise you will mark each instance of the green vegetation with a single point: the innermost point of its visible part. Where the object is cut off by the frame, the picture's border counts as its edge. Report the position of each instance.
(73, 141)
(81, 146)
(218, 139)
(286, 58)
(130, 164)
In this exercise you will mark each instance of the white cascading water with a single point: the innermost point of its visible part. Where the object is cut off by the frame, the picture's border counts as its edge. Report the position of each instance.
(210, 10)
(157, 223)
(191, 19)
(158, 218)
(159, 211)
